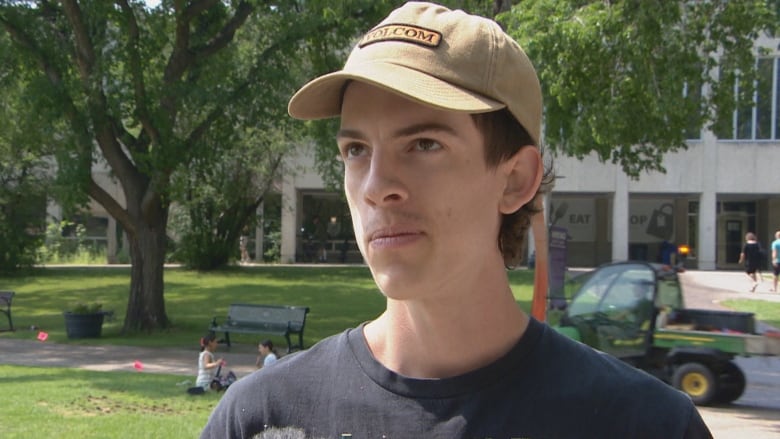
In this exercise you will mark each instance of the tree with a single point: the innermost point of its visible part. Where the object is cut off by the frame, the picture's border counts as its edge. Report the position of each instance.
(624, 78)
(213, 214)
(24, 176)
(22, 207)
(144, 91)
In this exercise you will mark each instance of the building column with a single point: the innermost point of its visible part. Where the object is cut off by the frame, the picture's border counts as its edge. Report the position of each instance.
(707, 247)
(53, 212)
(620, 217)
(289, 215)
(112, 244)
(260, 213)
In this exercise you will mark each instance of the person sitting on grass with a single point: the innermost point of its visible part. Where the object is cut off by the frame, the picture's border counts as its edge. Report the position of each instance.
(207, 364)
(266, 354)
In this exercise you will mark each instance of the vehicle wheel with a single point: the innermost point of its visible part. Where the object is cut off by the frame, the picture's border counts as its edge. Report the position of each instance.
(731, 383)
(697, 381)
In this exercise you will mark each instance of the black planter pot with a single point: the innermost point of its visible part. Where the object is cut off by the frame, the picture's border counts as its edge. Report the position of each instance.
(83, 325)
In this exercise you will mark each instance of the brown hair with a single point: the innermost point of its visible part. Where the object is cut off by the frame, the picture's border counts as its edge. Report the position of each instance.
(504, 136)
(268, 344)
(206, 339)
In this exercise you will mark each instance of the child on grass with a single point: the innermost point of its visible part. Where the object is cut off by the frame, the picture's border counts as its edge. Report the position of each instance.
(207, 364)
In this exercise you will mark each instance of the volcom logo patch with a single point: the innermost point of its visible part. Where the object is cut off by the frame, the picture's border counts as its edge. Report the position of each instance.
(402, 32)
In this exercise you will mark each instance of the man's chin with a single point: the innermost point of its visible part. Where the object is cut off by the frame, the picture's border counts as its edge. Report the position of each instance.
(399, 282)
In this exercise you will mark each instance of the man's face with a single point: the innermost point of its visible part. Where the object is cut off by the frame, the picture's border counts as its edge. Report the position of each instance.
(424, 205)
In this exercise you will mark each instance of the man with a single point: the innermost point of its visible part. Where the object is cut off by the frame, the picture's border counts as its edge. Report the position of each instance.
(775, 260)
(440, 117)
(751, 257)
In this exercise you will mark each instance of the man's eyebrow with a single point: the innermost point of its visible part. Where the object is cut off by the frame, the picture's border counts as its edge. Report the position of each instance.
(403, 132)
(350, 134)
(424, 127)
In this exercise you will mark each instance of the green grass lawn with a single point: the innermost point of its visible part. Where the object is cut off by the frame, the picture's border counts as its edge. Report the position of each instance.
(767, 312)
(339, 297)
(70, 403)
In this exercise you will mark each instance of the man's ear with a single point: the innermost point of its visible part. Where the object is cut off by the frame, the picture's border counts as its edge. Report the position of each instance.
(523, 176)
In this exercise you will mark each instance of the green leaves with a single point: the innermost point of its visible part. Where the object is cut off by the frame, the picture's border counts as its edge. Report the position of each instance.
(623, 78)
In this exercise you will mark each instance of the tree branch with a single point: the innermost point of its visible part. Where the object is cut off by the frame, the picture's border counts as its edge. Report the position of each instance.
(179, 56)
(110, 204)
(107, 129)
(196, 8)
(183, 57)
(226, 34)
(85, 52)
(238, 91)
(136, 73)
(27, 42)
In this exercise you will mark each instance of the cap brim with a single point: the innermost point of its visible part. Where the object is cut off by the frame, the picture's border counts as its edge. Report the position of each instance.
(321, 98)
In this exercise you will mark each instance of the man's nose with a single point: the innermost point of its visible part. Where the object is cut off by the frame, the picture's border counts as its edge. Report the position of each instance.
(384, 180)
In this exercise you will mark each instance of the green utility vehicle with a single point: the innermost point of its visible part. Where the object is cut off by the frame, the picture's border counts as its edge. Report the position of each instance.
(635, 311)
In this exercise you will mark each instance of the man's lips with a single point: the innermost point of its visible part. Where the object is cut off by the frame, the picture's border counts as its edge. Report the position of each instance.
(393, 234)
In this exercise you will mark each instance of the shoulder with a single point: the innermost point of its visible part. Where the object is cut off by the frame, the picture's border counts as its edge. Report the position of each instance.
(298, 367)
(605, 394)
(268, 394)
(601, 370)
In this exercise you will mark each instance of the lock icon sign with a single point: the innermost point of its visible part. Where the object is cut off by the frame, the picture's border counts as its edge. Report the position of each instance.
(661, 224)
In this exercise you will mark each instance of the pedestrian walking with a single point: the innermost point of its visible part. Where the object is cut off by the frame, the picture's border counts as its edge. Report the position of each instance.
(751, 258)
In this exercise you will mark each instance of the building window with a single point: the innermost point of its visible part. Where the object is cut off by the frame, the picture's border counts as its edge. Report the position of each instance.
(764, 98)
(760, 121)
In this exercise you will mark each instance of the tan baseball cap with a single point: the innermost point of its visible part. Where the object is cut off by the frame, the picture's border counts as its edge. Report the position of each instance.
(438, 57)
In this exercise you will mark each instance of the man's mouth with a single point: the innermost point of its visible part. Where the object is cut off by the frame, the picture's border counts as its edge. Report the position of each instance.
(393, 235)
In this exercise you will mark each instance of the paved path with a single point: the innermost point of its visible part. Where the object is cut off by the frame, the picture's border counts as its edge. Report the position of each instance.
(706, 289)
(118, 358)
(756, 414)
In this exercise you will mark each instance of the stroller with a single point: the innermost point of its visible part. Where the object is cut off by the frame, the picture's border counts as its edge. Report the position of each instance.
(219, 383)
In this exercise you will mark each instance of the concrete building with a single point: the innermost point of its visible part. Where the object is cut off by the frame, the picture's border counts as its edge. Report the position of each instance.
(724, 185)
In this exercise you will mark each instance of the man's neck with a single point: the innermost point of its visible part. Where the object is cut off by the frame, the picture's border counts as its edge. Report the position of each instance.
(439, 340)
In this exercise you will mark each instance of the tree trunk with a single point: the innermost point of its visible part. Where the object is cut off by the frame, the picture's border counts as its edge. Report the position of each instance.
(146, 305)
(500, 6)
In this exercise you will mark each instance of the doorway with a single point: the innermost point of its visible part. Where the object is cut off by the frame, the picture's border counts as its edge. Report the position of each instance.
(733, 235)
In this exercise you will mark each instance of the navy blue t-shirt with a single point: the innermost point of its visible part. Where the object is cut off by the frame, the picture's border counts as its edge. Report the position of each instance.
(547, 386)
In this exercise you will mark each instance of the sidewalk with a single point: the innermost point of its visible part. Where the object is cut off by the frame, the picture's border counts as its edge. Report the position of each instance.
(118, 358)
(707, 289)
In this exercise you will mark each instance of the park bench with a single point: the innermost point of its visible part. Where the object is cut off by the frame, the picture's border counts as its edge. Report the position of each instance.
(280, 320)
(5, 306)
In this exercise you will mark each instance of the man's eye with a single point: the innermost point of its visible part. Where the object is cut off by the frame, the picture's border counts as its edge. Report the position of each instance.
(353, 150)
(427, 145)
